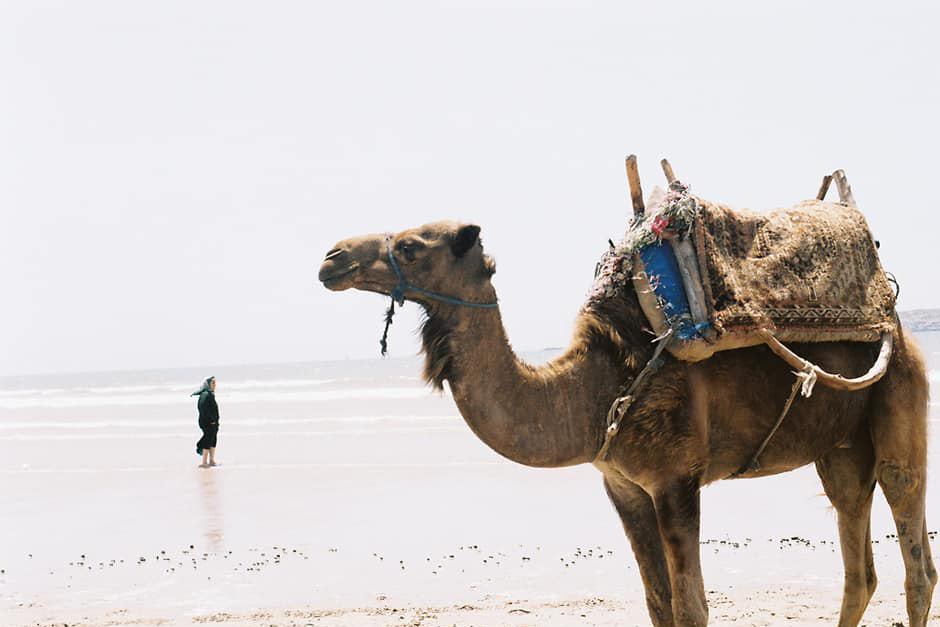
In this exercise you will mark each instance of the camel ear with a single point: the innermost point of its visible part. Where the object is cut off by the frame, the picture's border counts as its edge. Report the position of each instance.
(466, 237)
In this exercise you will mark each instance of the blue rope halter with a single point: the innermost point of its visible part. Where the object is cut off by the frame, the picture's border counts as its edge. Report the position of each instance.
(398, 295)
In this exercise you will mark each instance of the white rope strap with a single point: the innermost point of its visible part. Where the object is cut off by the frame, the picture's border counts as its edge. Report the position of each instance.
(807, 375)
(814, 373)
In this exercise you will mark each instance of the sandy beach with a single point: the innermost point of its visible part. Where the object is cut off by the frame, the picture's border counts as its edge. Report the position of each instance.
(298, 196)
(350, 495)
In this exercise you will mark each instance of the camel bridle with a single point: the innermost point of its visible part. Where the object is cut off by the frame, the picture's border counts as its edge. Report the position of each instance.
(398, 295)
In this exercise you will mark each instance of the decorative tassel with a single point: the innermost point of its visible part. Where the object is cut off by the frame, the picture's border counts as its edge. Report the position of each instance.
(808, 380)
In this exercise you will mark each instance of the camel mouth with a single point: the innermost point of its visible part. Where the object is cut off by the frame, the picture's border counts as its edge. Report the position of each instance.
(335, 278)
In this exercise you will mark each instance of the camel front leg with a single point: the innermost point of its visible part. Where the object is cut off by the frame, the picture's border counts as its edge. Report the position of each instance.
(678, 514)
(636, 511)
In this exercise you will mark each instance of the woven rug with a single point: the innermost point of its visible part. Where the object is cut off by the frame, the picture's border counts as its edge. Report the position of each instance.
(810, 273)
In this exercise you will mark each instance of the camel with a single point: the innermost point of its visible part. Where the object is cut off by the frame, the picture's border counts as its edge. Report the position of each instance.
(694, 424)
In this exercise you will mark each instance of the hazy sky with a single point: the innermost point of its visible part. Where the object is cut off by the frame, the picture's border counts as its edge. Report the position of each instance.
(172, 173)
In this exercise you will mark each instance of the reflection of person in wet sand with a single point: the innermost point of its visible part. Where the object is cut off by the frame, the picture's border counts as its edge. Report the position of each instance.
(208, 422)
(209, 496)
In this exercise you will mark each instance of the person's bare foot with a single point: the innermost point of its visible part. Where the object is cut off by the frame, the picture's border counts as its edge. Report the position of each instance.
(213, 464)
(203, 465)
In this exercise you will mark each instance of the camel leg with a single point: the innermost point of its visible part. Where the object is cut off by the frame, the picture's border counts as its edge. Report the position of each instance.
(928, 557)
(903, 488)
(678, 514)
(899, 434)
(638, 516)
(848, 476)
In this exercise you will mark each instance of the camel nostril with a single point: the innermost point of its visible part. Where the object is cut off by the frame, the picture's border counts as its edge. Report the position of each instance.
(336, 265)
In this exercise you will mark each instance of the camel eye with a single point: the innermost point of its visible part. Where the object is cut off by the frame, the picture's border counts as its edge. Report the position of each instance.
(409, 250)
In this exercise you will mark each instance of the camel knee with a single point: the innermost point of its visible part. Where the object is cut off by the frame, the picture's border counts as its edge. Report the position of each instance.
(898, 483)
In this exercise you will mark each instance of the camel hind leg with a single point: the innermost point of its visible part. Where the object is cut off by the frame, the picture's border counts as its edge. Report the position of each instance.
(899, 435)
(928, 557)
(848, 477)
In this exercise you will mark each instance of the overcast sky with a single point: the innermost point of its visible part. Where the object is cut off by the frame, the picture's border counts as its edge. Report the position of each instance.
(172, 173)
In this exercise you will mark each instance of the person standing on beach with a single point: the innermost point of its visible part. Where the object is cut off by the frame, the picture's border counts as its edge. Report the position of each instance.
(208, 422)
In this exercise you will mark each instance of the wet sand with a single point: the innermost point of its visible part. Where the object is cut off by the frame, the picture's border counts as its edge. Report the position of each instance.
(477, 544)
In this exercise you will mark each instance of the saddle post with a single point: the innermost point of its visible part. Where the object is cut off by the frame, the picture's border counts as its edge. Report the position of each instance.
(636, 193)
(667, 170)
(824, 187)
(845, 190)
(687, 261)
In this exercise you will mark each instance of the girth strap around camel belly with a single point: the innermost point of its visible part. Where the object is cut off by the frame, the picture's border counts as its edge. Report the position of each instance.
(807, 375)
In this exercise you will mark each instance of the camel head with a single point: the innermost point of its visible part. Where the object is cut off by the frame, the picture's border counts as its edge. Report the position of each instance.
(443, 258)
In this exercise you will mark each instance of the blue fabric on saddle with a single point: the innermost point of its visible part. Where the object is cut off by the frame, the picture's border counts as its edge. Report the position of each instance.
(666, 282)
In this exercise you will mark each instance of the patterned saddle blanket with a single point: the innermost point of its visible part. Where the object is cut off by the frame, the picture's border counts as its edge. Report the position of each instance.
(717, 276)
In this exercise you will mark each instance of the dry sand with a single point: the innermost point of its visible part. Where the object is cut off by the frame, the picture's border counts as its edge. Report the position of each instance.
(784, 605)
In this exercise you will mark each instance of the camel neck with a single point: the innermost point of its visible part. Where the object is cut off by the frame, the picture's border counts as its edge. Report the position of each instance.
(547, 416)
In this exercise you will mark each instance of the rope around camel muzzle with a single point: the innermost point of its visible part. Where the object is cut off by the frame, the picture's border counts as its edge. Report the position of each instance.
(398, 296)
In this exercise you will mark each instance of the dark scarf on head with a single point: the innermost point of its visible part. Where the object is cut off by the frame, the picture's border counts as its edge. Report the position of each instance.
(204, 391)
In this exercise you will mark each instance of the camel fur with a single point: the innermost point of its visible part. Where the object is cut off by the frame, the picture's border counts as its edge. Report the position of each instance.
(693, 423)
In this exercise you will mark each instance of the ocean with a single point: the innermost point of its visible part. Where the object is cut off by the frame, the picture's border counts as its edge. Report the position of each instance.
(340, 482)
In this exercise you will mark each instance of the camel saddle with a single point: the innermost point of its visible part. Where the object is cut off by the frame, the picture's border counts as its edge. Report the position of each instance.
(721, 278)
